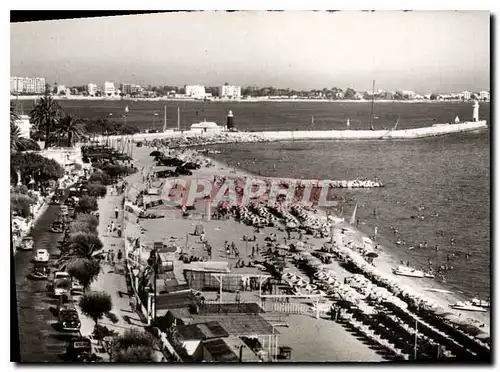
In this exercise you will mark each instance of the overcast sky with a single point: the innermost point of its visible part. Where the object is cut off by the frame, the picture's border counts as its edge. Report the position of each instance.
(423, 51)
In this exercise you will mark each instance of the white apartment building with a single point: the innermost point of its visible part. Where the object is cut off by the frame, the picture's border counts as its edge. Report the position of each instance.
(33, 85)
(109, 89)
(230, 91)
(91, 89)
(195, 91)
(466, 95)
(62, 89)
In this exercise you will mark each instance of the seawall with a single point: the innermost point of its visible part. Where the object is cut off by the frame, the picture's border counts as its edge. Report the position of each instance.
(225, 137)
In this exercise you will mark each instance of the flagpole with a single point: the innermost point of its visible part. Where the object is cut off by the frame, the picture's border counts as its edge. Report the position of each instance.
(165, 118)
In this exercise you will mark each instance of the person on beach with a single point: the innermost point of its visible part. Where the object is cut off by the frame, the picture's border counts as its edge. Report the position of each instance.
(112, 257)
(116, 212)
(119, 255)
(112, 226)
(108, 229)
(357, 222)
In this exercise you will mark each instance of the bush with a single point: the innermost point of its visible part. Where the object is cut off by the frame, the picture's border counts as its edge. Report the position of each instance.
(96, 190)
(28, 145)
(88, 219)
(99, 177)
(134, 337)
(134, 354)
(101, 331)
(84, 244)
(87, 204)
(21, 204)
(96, 304)
(85, 271)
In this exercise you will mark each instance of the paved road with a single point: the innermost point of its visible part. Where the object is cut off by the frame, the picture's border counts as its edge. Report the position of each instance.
(39, 339)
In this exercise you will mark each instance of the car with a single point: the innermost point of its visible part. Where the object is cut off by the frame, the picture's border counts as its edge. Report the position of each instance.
(57, 227)
(61, 283)
(27, 244)
(55, 200)
(42, 255)
(68, 319)
(78, 347)
(76, 286)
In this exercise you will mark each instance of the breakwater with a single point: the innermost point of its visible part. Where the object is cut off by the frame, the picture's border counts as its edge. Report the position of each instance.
(192, 138)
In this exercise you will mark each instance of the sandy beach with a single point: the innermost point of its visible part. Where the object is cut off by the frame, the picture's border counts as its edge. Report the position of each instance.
(174, 229)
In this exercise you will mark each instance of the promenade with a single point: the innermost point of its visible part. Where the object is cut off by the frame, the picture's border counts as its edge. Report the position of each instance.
(112, 279)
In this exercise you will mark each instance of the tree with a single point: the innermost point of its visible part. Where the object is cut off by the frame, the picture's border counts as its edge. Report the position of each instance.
(134, 354)
(44, 116)
(36, 166)
(71, 127)
(79, 246)
(85, 271)
(349, 93)
(96, 304)
(398, 96)
(87, 204)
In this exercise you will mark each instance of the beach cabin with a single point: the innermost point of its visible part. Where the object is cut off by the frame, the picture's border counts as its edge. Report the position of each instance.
(206, 127)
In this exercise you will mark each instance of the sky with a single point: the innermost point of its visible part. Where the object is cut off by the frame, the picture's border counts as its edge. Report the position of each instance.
(423, 51)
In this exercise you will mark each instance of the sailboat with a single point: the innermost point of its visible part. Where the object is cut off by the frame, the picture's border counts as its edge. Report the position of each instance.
(353, 217)
(348, 123)
(397, 122)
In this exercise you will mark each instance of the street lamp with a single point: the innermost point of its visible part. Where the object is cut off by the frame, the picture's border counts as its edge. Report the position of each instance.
(153, 262)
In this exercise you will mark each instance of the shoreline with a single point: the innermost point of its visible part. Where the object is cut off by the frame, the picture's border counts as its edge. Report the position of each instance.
(243, 100)
(386, 261)
(383, 264)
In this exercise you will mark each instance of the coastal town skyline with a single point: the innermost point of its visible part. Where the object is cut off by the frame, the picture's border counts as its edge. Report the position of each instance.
(414, 58)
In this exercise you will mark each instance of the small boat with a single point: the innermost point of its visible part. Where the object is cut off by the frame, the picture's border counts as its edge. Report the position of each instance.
(408, 271)
(429, 275)
(467, 306)
(481, 303)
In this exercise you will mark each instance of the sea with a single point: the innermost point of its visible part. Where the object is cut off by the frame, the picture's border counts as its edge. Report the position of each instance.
(445, 180)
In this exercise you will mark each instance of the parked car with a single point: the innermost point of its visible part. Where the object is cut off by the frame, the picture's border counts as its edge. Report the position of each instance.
(80, 350)
(61, 283)
(68, 319)
(42, 255)
(40, 271)
(76, 286)
(27, 244)
(57, 227)
(55, 200)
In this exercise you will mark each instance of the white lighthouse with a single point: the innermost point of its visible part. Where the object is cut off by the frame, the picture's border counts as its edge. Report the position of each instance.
(475, 111)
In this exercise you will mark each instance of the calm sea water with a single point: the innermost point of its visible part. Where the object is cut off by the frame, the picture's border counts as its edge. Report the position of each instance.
(448, 176)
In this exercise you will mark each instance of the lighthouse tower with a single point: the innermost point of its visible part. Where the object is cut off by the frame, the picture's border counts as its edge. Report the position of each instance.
(475, 111)
(230, 120)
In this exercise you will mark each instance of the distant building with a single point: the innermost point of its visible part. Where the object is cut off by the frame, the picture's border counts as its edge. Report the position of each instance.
(130, 88)
(109, 89)
(195, 91)
(408, 94)
(466, 95)
(31, 85)
(230, 91)
(206, 127)
(484, 95)
(92, 89)
(61, 89)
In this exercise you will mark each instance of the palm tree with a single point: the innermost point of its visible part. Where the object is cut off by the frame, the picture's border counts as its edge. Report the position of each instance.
(44, 115)
(72, 127)
(14, 117)
(80, 247)
(15, 137)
